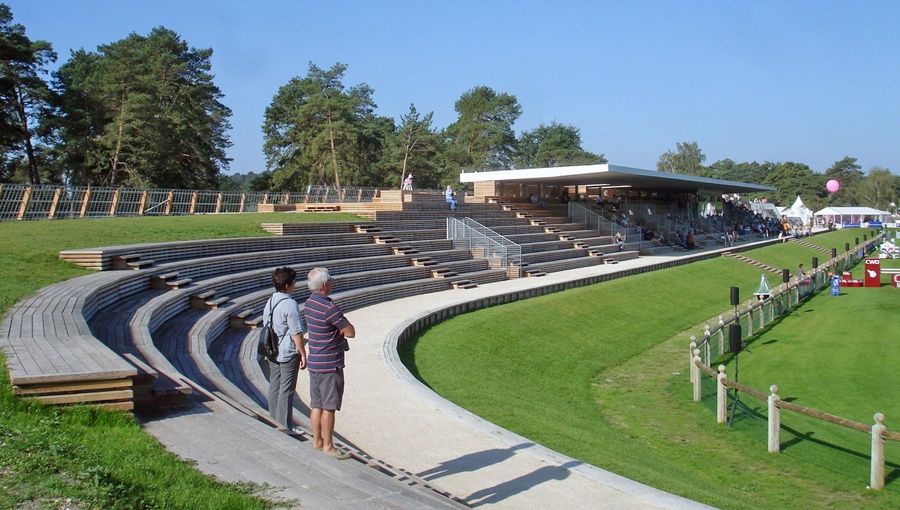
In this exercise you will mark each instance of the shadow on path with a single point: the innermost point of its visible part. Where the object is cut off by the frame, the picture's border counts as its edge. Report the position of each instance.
(472, 461)
(518, 485)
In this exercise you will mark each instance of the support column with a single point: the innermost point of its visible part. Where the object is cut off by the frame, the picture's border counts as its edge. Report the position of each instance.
(876, 480)
(115, 202)
(143, 203)
(169, 199)
(193, 206)
(84, 202)
(721, 396)
(243, 201)
(54, 204)
(219, 202)
(774, 421)
(23, 204)
(698, 394)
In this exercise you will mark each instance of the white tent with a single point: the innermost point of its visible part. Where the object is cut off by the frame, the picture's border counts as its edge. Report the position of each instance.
(846, 216)
(799, 211)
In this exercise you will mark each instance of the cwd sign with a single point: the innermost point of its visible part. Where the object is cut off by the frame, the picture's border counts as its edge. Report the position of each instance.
(873, 272)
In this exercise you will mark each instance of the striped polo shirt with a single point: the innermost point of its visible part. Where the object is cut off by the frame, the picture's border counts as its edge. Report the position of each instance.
(324, 322)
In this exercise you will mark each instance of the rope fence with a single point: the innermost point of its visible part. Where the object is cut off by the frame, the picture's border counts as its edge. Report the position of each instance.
(26, 202)
(712, 345)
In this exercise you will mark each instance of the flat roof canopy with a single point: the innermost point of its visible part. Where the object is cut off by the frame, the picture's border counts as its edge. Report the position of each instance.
(613, 175)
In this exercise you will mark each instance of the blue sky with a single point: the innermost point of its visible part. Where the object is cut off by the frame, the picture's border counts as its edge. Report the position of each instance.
(806, 81)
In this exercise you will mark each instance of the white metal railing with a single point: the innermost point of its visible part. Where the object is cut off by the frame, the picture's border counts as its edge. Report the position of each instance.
(26, 202)
(579, 213)
(484, 242)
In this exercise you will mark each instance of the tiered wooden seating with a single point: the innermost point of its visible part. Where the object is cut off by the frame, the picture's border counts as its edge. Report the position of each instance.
(52, 355)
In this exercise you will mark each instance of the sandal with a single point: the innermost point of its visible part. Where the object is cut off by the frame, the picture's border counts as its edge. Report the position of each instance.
(338, 454)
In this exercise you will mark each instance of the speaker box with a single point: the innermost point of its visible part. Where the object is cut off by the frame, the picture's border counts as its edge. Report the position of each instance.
(734, 338)
(785, 275)
(735, 296)
(815, 262)
(865, 238)
(846, 246)
(856, 240)
(833, 252)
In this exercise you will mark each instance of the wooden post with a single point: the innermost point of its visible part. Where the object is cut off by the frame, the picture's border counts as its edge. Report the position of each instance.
(721, 335)
(143, 203)
(750, 320)
(115, 202)
(243, 201)
(721, 396)
(707, 339)
(169, 199)
(84, 202)
(55, 203)
(691, 350)
(774, 421)
(23, 205)
(219, 202)
(359, 195)
(876, 480)
(193, 206)
(697, 375)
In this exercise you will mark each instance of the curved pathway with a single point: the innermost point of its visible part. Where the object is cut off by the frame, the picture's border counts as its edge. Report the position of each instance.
(395, 418)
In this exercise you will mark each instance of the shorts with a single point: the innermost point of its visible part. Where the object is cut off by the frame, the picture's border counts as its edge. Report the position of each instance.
(326, 390)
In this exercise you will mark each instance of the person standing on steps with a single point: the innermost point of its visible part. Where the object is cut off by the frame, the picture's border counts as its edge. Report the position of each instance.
(328, 334)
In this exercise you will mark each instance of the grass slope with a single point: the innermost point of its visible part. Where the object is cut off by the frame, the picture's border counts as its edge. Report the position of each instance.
(599, 374)
(94, 458)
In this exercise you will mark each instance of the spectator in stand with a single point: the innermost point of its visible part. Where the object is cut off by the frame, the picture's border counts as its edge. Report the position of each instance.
(690, 244)
(450, 197)
(620, 241)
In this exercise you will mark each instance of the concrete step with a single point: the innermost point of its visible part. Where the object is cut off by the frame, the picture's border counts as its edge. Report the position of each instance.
(159, 281)
(178, 284)
(238, 320)
(198, 301)
(217, 302)
(139, 264)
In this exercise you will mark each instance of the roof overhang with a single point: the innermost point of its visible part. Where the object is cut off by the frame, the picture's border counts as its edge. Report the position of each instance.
(613, 175)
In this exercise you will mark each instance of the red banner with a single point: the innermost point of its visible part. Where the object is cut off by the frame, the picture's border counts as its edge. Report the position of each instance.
(873, 272)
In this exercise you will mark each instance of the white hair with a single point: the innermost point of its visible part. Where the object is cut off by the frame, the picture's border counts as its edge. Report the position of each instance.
(317, 279)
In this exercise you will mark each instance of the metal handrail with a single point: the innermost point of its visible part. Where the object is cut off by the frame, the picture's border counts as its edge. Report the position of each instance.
(579, 213)
(498, 250)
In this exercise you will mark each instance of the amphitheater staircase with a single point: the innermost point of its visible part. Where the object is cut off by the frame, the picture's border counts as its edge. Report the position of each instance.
(803, 242)
(752, 262)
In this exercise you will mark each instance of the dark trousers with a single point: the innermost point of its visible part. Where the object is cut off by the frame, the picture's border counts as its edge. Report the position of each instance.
(282, 385)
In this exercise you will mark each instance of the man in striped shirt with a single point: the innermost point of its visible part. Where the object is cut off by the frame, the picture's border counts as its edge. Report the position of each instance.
(328, 331)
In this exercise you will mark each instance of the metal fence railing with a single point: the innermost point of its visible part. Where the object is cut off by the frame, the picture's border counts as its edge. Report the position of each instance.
(484, 242)
(25, 202)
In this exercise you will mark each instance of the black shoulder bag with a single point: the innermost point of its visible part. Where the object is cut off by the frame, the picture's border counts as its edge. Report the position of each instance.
(267, 346)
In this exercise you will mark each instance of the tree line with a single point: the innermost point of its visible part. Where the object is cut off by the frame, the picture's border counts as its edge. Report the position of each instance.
(144, 111)
(879, 188)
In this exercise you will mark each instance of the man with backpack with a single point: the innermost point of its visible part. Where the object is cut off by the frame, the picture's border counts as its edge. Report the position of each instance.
(282, 312)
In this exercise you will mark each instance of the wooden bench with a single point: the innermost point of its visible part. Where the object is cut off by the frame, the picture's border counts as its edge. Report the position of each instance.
(52, 355)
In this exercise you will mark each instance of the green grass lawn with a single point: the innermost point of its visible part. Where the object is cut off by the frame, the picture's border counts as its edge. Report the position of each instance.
(101, 459)
(605, 381)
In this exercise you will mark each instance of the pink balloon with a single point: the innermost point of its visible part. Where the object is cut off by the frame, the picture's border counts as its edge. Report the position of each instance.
(832, 186)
